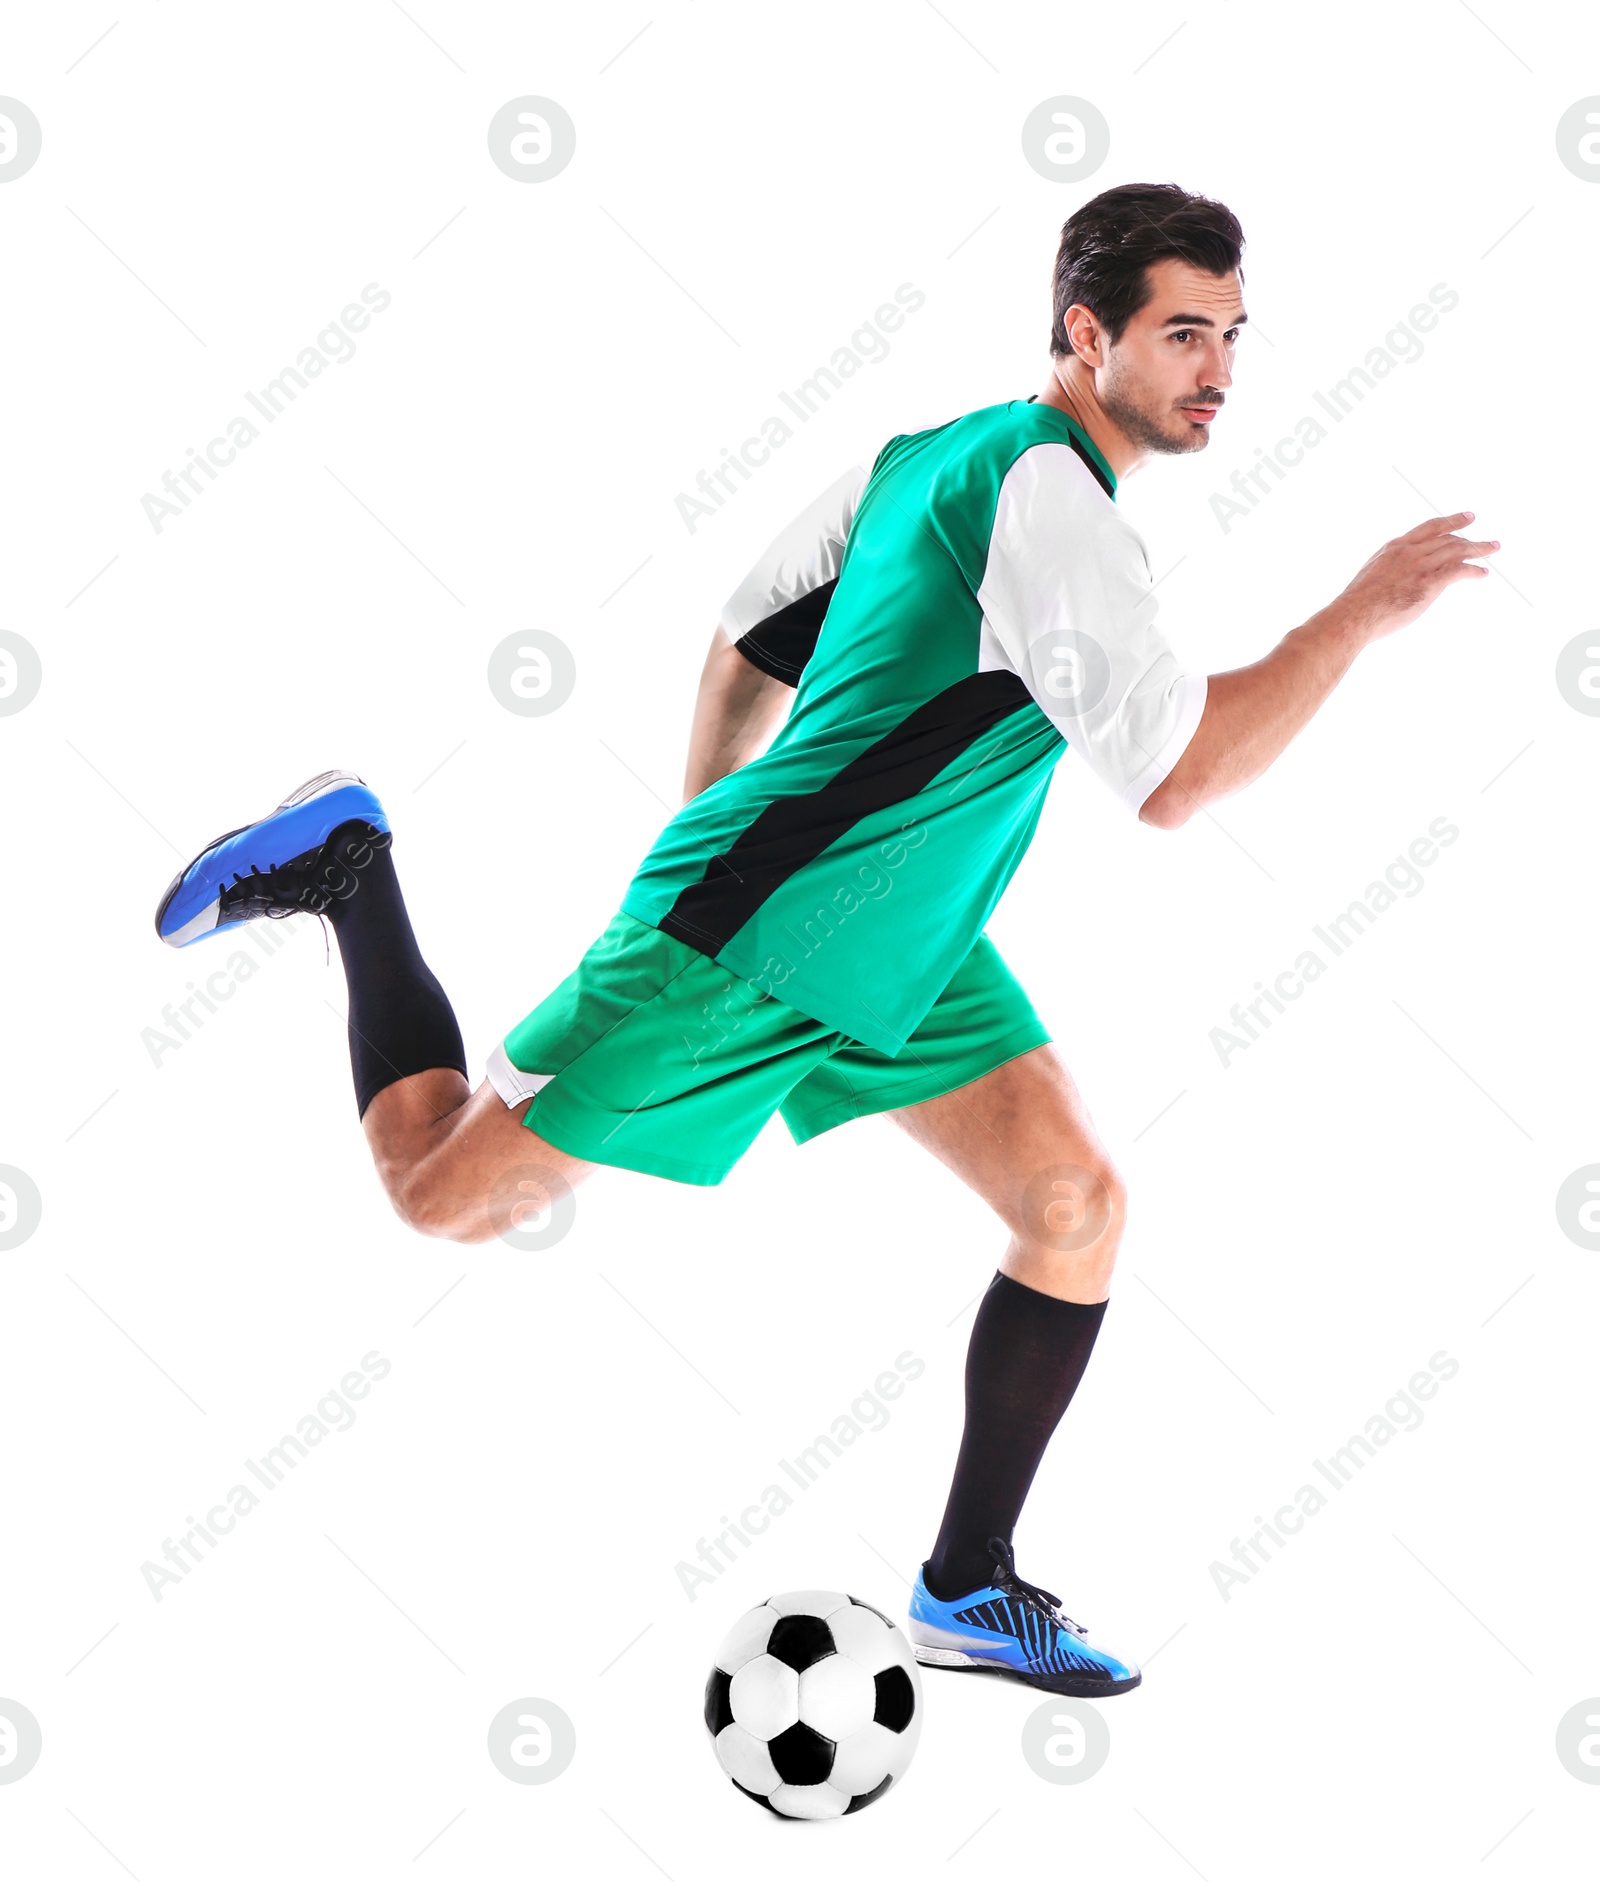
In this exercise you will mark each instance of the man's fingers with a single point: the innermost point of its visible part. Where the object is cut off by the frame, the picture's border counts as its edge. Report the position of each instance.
(1456, 568)
(1437, 526)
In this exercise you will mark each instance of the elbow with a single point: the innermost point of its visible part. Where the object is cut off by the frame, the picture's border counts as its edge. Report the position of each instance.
(1184, 790)
(1166, 810)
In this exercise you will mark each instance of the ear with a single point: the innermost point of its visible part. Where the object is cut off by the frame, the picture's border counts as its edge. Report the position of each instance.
(1085, 335)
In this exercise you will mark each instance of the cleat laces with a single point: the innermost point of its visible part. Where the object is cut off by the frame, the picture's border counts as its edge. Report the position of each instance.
(1008, 1581)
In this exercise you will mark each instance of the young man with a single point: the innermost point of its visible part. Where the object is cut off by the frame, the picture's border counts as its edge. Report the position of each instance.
(806, 936)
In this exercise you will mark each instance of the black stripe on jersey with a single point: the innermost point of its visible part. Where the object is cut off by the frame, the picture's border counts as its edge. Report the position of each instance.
(793, 831)
(1094, 469)
(783, 643)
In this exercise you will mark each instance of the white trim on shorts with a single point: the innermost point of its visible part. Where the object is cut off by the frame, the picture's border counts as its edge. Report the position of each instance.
(514, 1085)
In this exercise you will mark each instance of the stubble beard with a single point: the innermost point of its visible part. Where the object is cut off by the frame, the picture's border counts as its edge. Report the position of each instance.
(1143, 422)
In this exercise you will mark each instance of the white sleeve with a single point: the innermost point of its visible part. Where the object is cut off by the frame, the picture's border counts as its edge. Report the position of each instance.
(804, 557)
(1067, 606)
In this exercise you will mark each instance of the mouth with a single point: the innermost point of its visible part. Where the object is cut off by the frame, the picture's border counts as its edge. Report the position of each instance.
(1200, 414)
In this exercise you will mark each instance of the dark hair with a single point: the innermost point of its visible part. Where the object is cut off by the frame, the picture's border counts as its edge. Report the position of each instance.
(1107, 247)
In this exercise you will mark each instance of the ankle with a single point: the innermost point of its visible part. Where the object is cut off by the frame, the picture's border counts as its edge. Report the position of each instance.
(948, 1577)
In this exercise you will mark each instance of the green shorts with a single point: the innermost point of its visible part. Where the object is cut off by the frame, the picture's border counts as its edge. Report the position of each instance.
(651, 1057)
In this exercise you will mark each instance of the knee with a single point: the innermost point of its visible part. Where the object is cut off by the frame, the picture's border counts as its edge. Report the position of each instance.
(1117, 1201)
(1113, 1199)
(425, 1206)
(1073, 1217)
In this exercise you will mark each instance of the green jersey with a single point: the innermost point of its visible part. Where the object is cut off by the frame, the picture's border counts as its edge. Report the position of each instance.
(950, 623)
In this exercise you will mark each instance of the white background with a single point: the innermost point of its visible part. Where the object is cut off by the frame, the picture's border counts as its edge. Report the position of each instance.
(1363, 1187)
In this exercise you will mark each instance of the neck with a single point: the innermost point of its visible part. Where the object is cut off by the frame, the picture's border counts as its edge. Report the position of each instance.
(1070, 389)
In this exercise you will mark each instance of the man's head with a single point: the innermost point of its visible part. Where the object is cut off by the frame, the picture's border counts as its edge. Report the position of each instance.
(1147, 307)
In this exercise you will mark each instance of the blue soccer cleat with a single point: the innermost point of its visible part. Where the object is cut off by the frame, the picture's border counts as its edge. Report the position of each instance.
(1017, 1630)
(283, 865)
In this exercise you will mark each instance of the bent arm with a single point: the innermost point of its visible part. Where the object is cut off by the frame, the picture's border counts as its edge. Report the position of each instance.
(736, 712)
(1253, 712)
(767, 634)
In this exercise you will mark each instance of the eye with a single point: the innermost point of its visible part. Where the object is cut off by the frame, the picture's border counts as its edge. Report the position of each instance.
(1231, 336)
(1184, 333)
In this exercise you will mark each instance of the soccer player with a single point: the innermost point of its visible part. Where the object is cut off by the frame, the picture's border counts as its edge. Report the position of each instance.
(806, 936)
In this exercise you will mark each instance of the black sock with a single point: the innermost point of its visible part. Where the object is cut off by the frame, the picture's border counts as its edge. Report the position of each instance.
(400, 1020)
(1026, 1355)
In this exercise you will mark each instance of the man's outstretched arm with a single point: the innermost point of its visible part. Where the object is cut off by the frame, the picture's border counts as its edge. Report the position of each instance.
(1252, 713)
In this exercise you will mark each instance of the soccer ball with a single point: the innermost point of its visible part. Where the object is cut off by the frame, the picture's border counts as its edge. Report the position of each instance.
(814, 1704)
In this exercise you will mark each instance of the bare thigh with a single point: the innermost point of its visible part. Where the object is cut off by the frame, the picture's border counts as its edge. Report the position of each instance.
(1022, 1138)
(460, 1164)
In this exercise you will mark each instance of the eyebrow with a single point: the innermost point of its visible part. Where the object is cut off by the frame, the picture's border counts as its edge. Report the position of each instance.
(1201, 320)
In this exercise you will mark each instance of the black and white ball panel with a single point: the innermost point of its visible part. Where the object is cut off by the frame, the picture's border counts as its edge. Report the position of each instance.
(894, 1703)
(747, 1760)
(800, 1640)
(869, 1756)
(837, 1696)
(870, 1640)
(765, 1696)
(817, 1801)
(747, 1637)
(718, 1710)
(802, 1755)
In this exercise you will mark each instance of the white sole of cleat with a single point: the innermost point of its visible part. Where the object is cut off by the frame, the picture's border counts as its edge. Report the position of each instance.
(1071, 1685)
(315, 787)
(942, 1646)
(947, 1656)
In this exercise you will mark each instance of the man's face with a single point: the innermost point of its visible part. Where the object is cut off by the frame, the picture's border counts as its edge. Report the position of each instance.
(1163, 382)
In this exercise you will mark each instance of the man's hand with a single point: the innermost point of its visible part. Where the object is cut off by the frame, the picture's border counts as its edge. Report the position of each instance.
(1408, 575)
(1252, 713)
